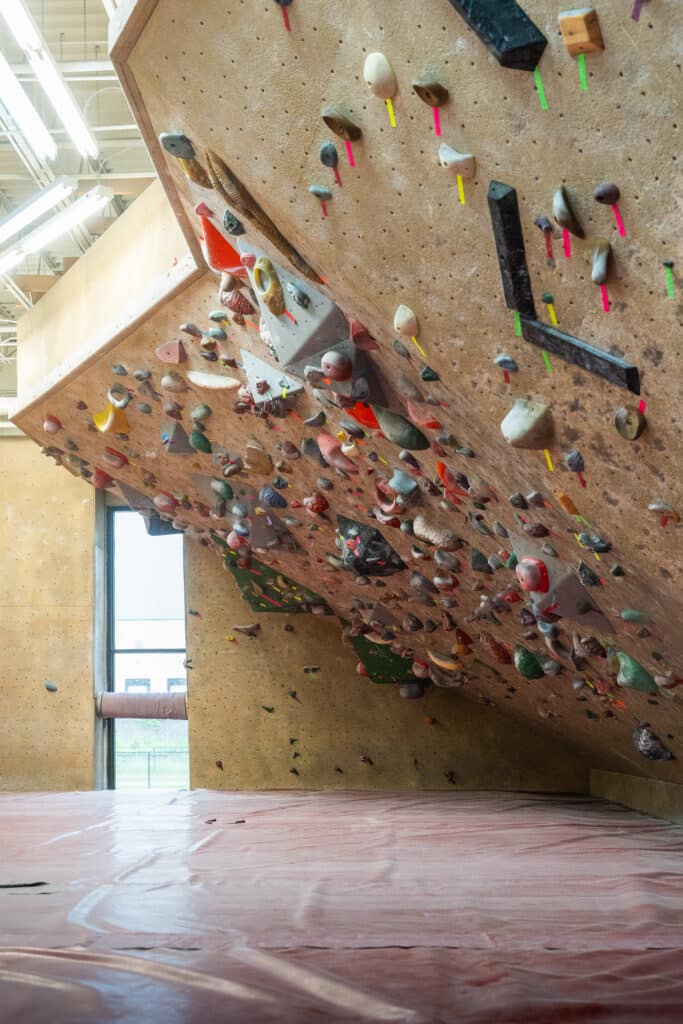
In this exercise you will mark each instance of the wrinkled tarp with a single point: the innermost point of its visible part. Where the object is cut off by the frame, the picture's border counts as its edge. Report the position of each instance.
(435, 907)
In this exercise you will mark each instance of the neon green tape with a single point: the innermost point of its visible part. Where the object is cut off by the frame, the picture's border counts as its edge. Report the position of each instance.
(546, 360)
(583, 78)
(669, 281)
(518, 324)
(540, 89)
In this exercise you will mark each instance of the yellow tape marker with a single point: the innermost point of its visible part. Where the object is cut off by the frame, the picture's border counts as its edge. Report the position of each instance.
(392, 119)
(461, 190)
(548, 460)
(552, 314)
(418, 347)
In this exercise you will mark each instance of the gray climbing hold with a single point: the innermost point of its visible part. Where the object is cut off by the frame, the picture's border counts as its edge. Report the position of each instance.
(319, 419)
(329, 156)
(575, 461)
(320, 192)
(52, 687)
(649, 744)
(506, 362)
(479, 562)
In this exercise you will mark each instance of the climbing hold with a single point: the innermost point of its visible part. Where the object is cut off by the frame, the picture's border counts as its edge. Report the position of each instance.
(594, 542)
(565, 502)
(365, 551)
(462, 164)
(199, 441)
(528, 424)
(257, 459)
(630, 422)
(111, 420)
(329, 157)
(649, 744)
(633, 615)
(118, 396)
(144, 408)
(400, 349)
(580, 30)
(222, 489)
(379, 76)
(101, 480)
(114, 458)
(431, 92)
(506, 363)
(403, 484)
(563, 213)
(220, 255)
(439, 536)
(518, 500)
(231, 224)
(527, 664)
(180, 147)
(191, 329)
(336, 365)
(316, 503)
(575, 461)
(340, 124)
(532, 573)
(165, 503)
(406, 322)
(212, 381)
(201, 412)
(495, 649)
(52, 687)
(171, 352)
(587, 576)
(606, 193)
(330, 449)
(51, 425)
(479, 562)
(633, 675)
(428, 374)
(601, 257)
(271, 498)
(267, 286)
(239, 303)
(399, 430)
(173, 382)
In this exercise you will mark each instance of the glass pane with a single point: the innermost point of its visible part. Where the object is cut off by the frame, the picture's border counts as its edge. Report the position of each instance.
(149, 673)
(150, 753)
(149, 598)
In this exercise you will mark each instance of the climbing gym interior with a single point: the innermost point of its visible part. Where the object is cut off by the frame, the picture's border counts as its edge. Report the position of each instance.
(341, 671)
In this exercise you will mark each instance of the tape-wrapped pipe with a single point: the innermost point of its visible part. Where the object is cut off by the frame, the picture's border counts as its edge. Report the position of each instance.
(141, 705)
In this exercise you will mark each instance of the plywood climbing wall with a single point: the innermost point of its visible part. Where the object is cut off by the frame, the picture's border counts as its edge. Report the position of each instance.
(47, 530)
(243, 97)
(285, 708)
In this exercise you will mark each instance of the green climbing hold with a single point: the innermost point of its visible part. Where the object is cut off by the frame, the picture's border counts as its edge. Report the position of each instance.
(199, 442)
(399, 430)
(632, 615)
(527, 664)
(222, 489)
(633, 675)
(218, 316)
(512, 561)
(479, 562)
(429, 374)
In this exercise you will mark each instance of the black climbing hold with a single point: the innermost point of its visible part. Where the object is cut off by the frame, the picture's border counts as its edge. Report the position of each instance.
(365, 550)
(328, 154)
(231, 224)
(506, 31)
(507, 232)
(429, 374)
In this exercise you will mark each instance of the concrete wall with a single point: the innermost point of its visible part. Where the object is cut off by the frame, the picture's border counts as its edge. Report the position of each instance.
(47, 524)
(651, 796)
(338, 715)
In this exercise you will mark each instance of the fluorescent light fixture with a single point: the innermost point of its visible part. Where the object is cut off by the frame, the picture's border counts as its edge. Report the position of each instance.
(24, 114)
(18, 219)
(56, 226)
(24, 30)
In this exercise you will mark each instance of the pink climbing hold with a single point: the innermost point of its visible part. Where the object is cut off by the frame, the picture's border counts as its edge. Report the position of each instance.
(171, 352)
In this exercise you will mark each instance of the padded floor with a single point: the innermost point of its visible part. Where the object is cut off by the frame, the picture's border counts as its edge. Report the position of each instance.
(211, 907)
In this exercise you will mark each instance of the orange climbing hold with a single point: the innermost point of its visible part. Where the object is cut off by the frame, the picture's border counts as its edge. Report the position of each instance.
(565, 502)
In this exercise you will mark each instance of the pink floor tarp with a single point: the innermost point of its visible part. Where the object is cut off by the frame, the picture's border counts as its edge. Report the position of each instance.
(437, 907)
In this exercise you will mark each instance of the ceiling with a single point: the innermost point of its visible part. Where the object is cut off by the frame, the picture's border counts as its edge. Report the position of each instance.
(76, 33)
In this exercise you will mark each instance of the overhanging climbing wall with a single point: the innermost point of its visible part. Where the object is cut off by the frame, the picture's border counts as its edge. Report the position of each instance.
(488, 490)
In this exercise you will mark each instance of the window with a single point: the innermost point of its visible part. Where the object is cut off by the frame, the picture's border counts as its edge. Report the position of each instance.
(146, 650)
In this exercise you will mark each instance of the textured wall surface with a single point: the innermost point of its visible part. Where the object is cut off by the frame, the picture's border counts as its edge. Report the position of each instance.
(337, 716)
(239, 85)
(47, 528)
